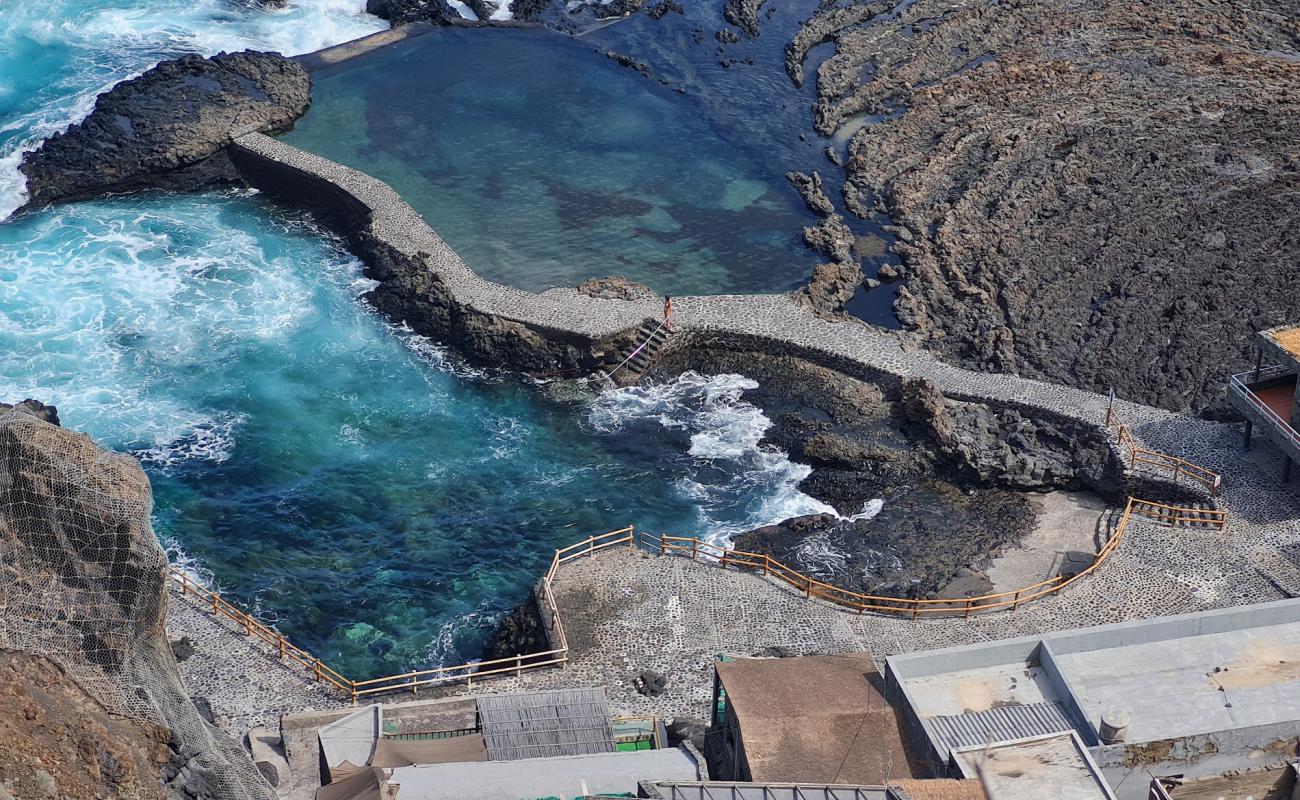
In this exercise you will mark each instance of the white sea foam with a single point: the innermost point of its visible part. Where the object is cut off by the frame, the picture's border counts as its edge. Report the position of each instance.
(736, 482)
(465, 11)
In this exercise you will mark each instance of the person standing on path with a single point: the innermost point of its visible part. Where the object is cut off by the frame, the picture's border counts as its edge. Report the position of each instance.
(668, 312)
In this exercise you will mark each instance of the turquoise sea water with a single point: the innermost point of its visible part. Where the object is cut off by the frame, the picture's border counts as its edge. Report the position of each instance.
(344, 477)
(544, 163)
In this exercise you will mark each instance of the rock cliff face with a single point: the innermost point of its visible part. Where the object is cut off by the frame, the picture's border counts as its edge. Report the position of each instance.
(166, 129)
(83, 582)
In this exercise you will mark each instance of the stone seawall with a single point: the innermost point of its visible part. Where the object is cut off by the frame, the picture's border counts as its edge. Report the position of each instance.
(424, 283)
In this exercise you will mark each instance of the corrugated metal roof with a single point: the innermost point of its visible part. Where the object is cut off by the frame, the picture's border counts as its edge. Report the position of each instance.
(544, 724)
(1002, 724)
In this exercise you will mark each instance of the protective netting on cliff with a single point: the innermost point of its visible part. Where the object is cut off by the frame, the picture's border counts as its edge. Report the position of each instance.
(82, 582)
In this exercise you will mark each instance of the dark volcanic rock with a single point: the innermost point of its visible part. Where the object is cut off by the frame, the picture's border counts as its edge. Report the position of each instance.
(36, 408)
(832, 238)
(665, 7)
(166, 129)
(922, 536)
(687, 729)
(743, 14)
(182, 648)
(520, 632)
(1098, 194)
(650, 683)
(810, 188)
(1006, 447)
(399, 12)
(831, 286)
(615, 288)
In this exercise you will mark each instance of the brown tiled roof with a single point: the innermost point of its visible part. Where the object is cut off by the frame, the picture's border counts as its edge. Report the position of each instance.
(940, 789)
(815, 719)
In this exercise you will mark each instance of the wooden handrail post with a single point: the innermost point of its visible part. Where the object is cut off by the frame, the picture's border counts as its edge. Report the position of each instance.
(724, 558)
(631, 536)
(1015, 601)
(807, 587)
(248, 625)
(519, 665)
(316, 668)
(966, 615)
(281, 640)
(695, 543)
(767, 561)
(185, 584)
(661, 542)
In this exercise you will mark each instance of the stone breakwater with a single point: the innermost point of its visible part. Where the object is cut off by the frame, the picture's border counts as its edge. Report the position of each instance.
(423, 283)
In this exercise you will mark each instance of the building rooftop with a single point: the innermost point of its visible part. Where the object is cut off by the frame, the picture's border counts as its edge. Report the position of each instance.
(1056, 766)
(1286, 337)
(565, 776)
(1193, 674)
(815, 719)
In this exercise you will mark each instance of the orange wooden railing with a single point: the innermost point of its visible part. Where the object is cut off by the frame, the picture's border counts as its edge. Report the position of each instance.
(1177, 467)
(417, 679)
(696, 549)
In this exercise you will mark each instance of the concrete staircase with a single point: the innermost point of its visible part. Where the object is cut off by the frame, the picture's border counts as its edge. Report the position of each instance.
(650, 340)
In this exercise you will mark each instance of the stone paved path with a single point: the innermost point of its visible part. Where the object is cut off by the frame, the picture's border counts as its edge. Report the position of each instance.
(241, 677)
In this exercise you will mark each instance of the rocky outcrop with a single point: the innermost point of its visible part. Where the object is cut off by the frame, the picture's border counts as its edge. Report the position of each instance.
(1005, 447)
(519, 633)
(58, 741)
(83, 581)
(1095, 194)
(167, 128)
(829, 288)
(400, 12)
(36, 408)
(615, 288)
(810, 189)
(923, 535)
(744, 15)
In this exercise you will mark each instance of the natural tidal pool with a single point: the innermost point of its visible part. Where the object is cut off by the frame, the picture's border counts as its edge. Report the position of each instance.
(543, 163)
(340, 475)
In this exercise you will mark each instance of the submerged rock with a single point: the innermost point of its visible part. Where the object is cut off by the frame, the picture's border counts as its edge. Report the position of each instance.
(166, 128)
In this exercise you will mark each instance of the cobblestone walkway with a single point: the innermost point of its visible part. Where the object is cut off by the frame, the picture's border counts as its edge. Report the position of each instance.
(242, 677)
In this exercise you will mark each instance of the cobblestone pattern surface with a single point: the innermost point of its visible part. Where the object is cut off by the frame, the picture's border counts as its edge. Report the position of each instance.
(242, 677)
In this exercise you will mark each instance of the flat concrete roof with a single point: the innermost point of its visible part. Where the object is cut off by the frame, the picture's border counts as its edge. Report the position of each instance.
(980, 689)
(1219, 670)
(1056, 766)
(1198, 684)
(564, 776)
